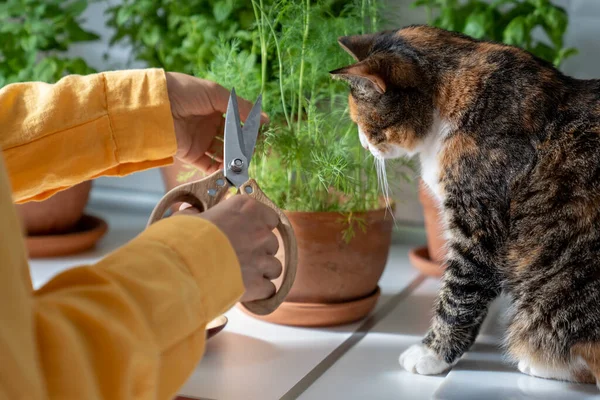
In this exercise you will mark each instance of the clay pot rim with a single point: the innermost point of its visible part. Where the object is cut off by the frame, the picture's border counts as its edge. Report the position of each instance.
(320, 315)
(215, 326)
(338, 213)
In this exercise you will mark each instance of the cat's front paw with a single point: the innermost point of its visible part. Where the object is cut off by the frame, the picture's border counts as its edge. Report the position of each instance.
(422, 360)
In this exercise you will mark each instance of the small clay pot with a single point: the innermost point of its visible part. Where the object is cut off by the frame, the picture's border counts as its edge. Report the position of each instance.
(336, 281)
(57, 214)
(436, 243)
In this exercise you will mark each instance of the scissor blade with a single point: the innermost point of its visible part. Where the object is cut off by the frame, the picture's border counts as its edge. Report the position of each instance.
(236, 116)
(250, 129)
(236, 174)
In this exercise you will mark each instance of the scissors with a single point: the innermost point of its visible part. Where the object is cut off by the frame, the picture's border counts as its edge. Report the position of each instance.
(207, 192)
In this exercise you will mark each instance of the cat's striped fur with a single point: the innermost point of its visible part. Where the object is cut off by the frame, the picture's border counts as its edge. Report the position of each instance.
(511, 148)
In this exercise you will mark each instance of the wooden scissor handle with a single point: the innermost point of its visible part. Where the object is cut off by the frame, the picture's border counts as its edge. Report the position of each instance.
(206, 193)
(202, 194)
(267, 306)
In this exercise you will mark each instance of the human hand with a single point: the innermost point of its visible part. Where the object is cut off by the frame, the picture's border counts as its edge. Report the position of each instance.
(198, 106)
(249, 226)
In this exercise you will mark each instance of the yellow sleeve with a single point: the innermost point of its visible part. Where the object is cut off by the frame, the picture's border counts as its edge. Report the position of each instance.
(54, 136)
(133, 326)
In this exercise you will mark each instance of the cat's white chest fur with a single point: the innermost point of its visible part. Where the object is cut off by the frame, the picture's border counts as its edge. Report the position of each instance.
(429, 154)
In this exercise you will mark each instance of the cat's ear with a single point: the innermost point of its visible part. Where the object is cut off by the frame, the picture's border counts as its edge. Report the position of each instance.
(358, 46)
(361, 73)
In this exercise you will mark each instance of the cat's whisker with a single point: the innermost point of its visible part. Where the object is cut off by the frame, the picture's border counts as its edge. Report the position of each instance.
(383, 184)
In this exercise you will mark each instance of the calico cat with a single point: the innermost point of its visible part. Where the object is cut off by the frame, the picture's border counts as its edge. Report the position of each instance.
(511, 149)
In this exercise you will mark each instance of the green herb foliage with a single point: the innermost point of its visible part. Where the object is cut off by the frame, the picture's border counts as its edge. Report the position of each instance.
(509, 21)
(183, 35)
(34, 34)
(309, 158)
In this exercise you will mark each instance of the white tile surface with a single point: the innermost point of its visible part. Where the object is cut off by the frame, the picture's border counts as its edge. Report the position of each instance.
(483, 373)
(250, 359)
(371, 369)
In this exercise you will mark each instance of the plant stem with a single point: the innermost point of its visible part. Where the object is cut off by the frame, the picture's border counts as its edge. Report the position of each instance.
(301, 73)
(263, 45)
(362, 15)
(280, 62)
(374, 13)
(429, 14)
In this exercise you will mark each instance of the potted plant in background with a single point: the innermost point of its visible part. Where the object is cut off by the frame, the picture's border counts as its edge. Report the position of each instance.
(35, 36)
(508, 21)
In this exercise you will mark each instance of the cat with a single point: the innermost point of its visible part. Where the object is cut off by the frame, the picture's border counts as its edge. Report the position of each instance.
(510, 148)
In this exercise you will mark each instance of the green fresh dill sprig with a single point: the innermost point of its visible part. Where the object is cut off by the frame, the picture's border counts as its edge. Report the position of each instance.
(309, 157)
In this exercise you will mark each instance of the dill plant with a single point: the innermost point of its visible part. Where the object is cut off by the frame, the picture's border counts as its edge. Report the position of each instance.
(309, 157)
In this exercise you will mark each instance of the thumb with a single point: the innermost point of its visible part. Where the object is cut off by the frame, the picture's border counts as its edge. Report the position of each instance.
(221, 99)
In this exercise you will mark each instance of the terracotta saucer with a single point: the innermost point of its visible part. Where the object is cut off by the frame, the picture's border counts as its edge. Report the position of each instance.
(215, 326)
(320, 315)
(83, 236)
(419, 258)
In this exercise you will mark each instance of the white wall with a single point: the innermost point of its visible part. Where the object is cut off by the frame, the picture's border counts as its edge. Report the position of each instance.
(584, 33)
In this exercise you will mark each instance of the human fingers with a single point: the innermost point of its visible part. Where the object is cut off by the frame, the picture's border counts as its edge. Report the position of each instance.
(271, 267)
(220, 99)
(208, 164)
(215, 150)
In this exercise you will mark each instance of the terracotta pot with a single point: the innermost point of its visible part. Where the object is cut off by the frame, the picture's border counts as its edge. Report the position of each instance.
(57, 214)
(429, 260)
(336, 281)
(331, 270)
(433, 224)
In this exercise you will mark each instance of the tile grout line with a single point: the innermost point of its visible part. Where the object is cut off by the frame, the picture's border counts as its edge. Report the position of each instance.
(322, 367)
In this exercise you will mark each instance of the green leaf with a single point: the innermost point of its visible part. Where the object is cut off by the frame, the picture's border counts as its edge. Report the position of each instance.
(516, 32)
(555, 22)
(46, 70)
(244, 35)
(421, 3)
(539, 3)
(568, 52)
(447, 19)
(152, 37)
(498, 3)
(40, 26)
(222, 9)
(28, 43)
(476, 25)
(10, 27)
(563, 54)
(544, 52)
(78, 34)
(123, 15)
(76, 7)
(79, 67)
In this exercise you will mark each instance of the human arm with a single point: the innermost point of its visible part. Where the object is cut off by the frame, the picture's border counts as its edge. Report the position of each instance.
(147, 303)
(57, 135)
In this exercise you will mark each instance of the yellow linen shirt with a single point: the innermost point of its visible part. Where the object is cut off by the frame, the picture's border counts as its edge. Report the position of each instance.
(133, 325)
